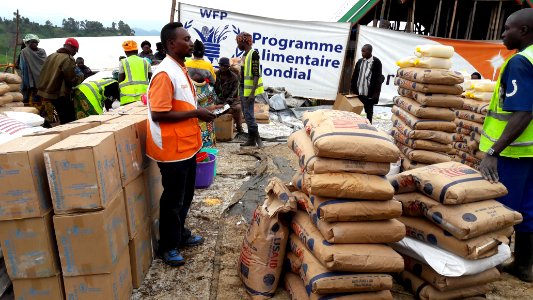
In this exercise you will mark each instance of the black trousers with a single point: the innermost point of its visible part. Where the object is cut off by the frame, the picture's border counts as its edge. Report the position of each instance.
(65, 109)
(178, 190)
(369, 107)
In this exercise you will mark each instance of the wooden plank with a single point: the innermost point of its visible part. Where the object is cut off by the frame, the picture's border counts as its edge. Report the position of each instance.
(172, 10)
(472, 21)
(16, 44)
(495, 34)
(453, 19)
(438, 19)
(413, 15)
(491, 24)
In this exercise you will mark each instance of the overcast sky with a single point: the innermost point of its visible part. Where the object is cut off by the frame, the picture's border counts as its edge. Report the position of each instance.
(153, 14)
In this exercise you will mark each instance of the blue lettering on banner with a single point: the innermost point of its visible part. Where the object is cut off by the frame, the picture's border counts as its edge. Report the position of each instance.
(213, 14)
(284, 44)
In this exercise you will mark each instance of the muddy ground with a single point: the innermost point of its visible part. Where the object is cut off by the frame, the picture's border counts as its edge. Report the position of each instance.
(220, 214)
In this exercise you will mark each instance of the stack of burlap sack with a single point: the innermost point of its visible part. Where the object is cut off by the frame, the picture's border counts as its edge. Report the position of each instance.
(423, 119)
(10, 95)
(469, 120)
(457, 233)
(346, 213)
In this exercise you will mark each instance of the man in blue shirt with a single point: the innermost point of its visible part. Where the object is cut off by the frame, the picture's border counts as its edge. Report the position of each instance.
(508, 137)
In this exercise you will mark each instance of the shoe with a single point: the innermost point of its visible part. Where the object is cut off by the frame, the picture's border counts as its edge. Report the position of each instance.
(193, 240)
(522, 265)
(250, 141)
(258, 141)
(173, 258)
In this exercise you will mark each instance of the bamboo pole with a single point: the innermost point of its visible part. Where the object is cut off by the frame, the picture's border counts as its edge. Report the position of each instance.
(172, 10)
(500, 26)
(447, 28)
(438, 19)
(383, 5)
(375, 21)
(413, 16)
(16, 43)
(469, 36)
(491, 24)
(453, 19)
(497, 21)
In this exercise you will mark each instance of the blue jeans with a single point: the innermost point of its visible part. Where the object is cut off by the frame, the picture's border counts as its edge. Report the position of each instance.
(248, 111)
(517, 176)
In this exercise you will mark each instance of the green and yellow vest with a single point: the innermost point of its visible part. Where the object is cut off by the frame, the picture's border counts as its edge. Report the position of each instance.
(136, 82)
(249, 79)
(94, 92)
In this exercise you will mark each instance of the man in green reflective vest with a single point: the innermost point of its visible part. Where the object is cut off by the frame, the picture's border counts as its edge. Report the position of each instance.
(134, 74)
(89, 97)
(251, 86)
(508, 136)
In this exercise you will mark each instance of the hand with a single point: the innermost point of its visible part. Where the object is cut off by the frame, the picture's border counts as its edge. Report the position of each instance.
(489, 168)
(213, 107)
(205, 115)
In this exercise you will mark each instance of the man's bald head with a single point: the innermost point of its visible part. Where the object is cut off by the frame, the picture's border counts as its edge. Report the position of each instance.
(518, 32)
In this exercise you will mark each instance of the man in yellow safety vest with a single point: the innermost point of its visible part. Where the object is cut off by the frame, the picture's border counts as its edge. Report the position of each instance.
(134, 74)
(508, 136)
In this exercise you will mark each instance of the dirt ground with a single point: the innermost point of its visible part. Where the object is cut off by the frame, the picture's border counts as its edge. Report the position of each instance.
(211, 269)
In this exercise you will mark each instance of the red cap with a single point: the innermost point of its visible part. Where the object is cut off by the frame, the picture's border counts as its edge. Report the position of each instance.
(73, 42)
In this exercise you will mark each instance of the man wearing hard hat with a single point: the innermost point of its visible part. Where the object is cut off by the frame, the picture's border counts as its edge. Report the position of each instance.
(134, 74)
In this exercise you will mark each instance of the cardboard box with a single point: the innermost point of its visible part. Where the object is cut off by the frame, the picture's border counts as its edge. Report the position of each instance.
(136, 205)
(48, 288)
(66, 130)
(154, 187)
(29, 247)
(83, 172)
(348, 103)
(90, 243)
(224, 128)
(141, 123)
(141, 254)
(24, 191)
(138, 110)
(113, 285)
(98, 119)
(128, 148)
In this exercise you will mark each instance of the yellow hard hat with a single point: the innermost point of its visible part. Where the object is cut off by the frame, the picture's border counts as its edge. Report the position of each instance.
(129, 45)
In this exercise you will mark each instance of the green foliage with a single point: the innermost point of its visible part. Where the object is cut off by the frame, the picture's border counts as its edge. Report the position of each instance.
(69, 28)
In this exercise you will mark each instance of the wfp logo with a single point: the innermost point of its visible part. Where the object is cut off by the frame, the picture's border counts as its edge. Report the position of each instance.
(212, 36)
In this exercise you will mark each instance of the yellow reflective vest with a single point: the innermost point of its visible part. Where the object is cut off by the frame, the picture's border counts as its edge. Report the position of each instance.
(136, 80)
(497, 119)
(94, 92)
(249, 79)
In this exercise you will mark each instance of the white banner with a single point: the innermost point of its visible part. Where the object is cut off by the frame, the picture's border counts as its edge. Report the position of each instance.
(390, 46)
(304, 57)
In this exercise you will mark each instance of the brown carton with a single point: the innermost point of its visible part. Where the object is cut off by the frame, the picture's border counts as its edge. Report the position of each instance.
(83, 172)
(463, 221)
(141, 123)
(98, 119)
(424, 291)
(90, 243)
(48, 288)
(24, 191)
(154, 187)
(475, 248)
(224, 127)
(362, 258)
(138, 110)
(116, 284)
(128, 148)
(136, 205)
(319, 280)
(29, 247)
(261, 113)
(348, 103)
(66, 130)
(140, 249)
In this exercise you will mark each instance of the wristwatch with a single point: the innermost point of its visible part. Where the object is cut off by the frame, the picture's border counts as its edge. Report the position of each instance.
(491, 152)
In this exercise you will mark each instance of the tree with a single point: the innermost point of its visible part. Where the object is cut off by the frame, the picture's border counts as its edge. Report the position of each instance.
(48, 24)
(124, 29)
(71, 25)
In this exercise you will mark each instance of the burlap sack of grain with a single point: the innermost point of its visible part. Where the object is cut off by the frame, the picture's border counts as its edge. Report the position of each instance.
(426, 88)
(432, 135)
(303, 201)
(482, 246)
(463, 221)
(14, 104)
(454, 183)
(11, 97)
(292, 262)
(419, 144)
(473, 126)
(433, 100)
(423, 156)
(403, 182)
(469, 115)
(368, 258)
(10, 78)
(458, 159)
(349, 210)
(301, 144)
(350, 136)
(295, 286)
(433, 50)
(466, 146)
(422, 124)
(444, 283)
(466, 156)
(319, 280)
(263, 248)
(4, 88)
(426, 112)
(31, 110)
(379, 295)
(424, 291)
(311, 119)
(431, 76)
(361, 232)
(479, 154)
(475, 106)
(408, 164)
(345, 185)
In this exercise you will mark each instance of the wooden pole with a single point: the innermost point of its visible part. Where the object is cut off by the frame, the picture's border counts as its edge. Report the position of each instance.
(447, 28)
(491, 24)
(375, 21)
(469, 36)
(172, 10)
(383, 5)
(413, 16)
(453, 20)
(500, 27)
(495, 34)
(438, 19)
(16, 43)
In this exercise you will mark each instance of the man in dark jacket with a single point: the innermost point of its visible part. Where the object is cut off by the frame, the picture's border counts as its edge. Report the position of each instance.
(58, 76)
(227, 90)
(367, 79)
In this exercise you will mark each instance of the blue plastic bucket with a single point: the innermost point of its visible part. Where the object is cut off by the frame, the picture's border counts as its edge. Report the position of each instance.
(213, 151)
(205, 172)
